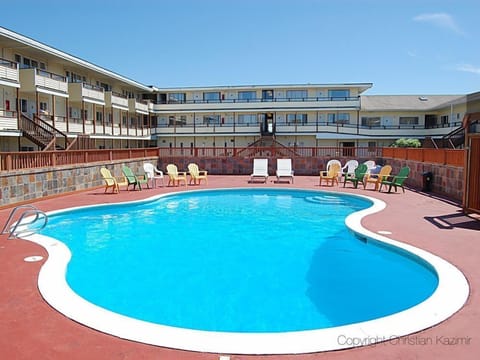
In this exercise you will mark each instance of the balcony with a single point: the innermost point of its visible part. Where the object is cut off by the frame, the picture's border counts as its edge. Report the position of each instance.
(85, 92)
(117, 101)
(286, 104)
(33, 79)
(138, 106)
(9, 74)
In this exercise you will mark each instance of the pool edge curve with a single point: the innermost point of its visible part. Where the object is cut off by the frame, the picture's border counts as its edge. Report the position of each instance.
(452, 284)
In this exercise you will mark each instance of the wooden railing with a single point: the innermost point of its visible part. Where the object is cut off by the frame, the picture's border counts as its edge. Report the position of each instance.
(453, 157)
(10, 161)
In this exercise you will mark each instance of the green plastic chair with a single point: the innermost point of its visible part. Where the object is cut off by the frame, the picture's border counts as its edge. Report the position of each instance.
(358, 176)
(397, 180)
(133, 179)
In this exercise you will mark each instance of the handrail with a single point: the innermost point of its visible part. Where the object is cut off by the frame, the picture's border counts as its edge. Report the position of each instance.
(220, 100)
(31, 211)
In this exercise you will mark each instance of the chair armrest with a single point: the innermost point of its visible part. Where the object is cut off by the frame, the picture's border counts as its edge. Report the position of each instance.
(202, 172)
(159, 172)
(385, 177)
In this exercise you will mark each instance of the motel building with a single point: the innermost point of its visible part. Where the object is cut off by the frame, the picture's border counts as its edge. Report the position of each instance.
(51, 100)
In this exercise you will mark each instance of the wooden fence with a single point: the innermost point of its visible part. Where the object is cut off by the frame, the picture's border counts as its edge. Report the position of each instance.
(452, 157)
(11, 161)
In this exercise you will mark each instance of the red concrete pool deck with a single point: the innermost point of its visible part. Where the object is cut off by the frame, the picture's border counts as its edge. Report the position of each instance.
(31, 329)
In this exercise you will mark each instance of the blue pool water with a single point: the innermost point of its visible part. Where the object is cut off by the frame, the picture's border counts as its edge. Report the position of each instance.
(255, 260)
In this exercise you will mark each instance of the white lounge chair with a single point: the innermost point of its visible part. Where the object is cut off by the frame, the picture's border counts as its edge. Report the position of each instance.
(153, 174)
(260, 170)
(284, 169)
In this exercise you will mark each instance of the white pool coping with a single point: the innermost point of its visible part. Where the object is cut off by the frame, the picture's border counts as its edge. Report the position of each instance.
(450, 296)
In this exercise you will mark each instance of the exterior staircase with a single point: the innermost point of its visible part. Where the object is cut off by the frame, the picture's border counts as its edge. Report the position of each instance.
(455, 139)
(266, 145)
(43, 134)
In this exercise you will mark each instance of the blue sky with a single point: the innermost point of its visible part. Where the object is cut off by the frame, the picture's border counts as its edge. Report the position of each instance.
(402, 47)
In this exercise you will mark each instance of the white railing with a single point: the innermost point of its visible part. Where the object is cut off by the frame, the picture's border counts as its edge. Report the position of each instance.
(51, 81)
(9, 71)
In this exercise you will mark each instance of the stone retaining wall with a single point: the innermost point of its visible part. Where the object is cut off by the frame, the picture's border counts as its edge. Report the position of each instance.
(27, 185)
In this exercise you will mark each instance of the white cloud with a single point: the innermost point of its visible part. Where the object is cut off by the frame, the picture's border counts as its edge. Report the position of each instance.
(440, 19)
(468, 68)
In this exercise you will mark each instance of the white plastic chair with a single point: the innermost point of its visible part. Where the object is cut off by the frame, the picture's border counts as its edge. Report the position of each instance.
(349, 168)
(153, 174)
(370, 164)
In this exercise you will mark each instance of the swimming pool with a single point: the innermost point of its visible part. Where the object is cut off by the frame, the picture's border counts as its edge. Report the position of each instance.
(213, 276)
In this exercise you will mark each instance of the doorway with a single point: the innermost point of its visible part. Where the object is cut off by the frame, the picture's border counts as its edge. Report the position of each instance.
(348, 148)
(267, 124)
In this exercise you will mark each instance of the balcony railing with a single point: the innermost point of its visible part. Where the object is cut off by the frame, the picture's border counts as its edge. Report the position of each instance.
(9, 70)
(260, 100)
(88, 92)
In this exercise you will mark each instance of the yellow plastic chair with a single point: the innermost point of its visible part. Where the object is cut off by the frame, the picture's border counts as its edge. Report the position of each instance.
(174, 176)
(196, 175)
(330, 175)
(377, 178)
(110, 181)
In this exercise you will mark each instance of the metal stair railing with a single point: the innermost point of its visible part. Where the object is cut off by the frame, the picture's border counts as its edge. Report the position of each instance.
(28, 217)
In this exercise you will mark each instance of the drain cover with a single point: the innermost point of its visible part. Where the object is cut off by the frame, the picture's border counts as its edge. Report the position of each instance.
(33, 258)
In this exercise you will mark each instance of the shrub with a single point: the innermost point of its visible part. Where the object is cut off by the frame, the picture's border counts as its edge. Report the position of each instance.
(403, 143)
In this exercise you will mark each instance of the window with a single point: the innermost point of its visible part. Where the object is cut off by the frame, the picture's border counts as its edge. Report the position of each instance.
(247, 119)
(296, 119)
(343, 118)
(339, 94)
(444, 119)
(43, 106)
(408, 120)
(177, 120)
(176, 98)
(75, 78)
(211, 96)
(267, 95)
(211, 119)
(105, 86)
(297, 94)
(247, 95)
(340, 118)
(26, 63)
(99, 117)
(127, 94)
(373, 121)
